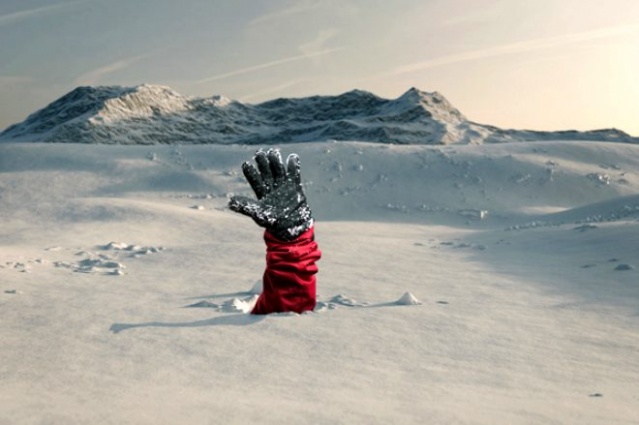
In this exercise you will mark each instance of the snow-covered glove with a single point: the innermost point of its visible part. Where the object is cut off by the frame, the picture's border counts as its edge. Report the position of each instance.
(280, 206)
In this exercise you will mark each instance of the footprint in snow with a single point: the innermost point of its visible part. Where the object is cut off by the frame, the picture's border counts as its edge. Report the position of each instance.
(130, 250)
(106, 262)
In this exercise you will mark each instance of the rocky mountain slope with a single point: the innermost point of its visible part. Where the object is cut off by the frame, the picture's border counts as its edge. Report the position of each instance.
(150, 114)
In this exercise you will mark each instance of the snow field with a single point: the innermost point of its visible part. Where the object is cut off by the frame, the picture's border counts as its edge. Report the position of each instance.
(525, 316)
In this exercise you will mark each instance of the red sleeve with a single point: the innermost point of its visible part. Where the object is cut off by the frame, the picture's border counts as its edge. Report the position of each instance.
(289, 278)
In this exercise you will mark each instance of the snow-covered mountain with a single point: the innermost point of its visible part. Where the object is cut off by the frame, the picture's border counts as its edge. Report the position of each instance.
(150, 114)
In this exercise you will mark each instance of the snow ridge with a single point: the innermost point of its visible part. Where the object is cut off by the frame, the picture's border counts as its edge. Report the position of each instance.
(152, 114)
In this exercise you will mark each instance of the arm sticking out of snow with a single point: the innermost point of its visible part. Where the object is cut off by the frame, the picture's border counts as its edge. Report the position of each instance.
(291, 251)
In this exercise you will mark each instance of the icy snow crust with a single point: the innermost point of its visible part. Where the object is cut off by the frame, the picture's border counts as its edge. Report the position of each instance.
(488, 284)
(151, 114)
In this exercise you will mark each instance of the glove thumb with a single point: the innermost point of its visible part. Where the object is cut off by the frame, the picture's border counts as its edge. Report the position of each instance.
(244, 205)
(252, 208)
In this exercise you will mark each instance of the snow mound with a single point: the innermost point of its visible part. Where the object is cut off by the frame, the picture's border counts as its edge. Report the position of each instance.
(620, 208)
(237, 305)
(336, 302)
(346, 301)
(408, 299)
(232, 305)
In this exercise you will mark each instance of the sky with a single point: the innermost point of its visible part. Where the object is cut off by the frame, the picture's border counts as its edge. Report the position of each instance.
(542, 65)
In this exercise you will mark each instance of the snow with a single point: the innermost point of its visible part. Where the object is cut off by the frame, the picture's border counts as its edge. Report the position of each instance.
(408, 299)
(469, 284)
(150, 114)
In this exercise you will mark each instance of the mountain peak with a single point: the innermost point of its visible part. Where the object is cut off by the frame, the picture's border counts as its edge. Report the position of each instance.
(142, 102)
(358, 93)
(433, 102)
(148, 114)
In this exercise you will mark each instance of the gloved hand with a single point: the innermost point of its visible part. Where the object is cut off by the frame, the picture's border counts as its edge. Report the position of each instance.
(281, 206)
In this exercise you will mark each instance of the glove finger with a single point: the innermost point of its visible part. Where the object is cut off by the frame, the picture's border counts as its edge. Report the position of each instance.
(277, 167)
(254, 179)
(294, 173)
(265, 169)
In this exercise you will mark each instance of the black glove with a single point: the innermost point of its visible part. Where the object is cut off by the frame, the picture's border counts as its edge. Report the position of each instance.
(281, 205)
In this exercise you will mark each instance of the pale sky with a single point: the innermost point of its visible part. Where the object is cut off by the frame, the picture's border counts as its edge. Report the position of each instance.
(542, 65)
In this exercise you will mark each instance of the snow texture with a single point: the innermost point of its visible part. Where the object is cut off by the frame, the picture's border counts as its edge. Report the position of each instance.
(151, 114)
(524, 264)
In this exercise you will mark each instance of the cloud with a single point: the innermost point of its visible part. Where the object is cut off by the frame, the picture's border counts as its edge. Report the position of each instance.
(520, 47)
(268, 65)
(94, 76)
(298, 7)
(319, 43)
(23, 14)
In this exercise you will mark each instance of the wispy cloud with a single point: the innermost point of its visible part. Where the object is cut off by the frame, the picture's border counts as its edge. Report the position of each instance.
(275, 89)
(319, 43)
(519, 47)
(94, 76)
(296, 8)
(268, 65)
(23, 14)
